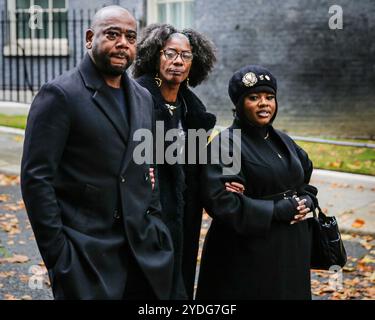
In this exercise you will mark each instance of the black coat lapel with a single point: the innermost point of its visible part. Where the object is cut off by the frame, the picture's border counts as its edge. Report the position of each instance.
(135, 107)
(102, 97)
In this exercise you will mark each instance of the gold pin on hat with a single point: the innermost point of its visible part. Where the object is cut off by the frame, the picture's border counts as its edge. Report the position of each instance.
(268, 78)
(249, 79)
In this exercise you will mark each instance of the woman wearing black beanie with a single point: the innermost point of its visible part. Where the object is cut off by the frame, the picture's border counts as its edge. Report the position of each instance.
(258, 245)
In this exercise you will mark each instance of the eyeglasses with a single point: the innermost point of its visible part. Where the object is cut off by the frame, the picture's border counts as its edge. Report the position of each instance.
(172, 55)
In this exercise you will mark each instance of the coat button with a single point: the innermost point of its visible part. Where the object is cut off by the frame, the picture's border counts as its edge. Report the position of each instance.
(116, 214)
(122, 179)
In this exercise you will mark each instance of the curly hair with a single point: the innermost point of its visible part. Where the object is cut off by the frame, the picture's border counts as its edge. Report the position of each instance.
(153, 39)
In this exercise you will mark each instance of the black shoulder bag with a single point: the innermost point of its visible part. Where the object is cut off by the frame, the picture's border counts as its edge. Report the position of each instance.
(327, 247)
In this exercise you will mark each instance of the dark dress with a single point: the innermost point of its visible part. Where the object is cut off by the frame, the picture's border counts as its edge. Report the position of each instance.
(247, 254)
(180, 186)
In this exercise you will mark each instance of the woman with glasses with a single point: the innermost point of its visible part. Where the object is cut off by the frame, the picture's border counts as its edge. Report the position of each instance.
(258, 245)
(167, 63)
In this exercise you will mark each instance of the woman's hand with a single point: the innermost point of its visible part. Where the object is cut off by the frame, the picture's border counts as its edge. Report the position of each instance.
(234, 187)
(303, 210)
(152, 178)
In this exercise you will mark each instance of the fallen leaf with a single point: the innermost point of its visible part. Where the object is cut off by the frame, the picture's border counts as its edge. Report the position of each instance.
(318, 293)
(367, 259)
(321, 273)
(352, 282)
(336, 164)
(24, 278)
(1, 285)
(7, 274)
(9, 223)
(6, 180)
(4, 197)
(314, 283)
(10, 243)
(362, 267)
(348, 269)
(370, 293)
(366, 245)
(328, 290)
(7, 216)
(9, 297)
(18, 138)
(17, 258)
(346, 237)
(358, 223)
(15, 207)
(26, 297)
(368, 238)
(21, 242)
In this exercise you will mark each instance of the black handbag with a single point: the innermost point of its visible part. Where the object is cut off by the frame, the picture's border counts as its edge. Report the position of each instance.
(327, 246)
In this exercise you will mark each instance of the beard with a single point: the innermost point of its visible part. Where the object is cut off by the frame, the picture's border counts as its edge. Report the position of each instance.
(104, 64)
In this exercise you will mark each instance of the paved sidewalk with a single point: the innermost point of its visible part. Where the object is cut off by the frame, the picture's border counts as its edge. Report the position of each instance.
(11, 145)
(14, 108)
(349, 197)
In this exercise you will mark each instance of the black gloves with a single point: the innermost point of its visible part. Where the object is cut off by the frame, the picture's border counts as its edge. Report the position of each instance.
(309, 203)
(285, 210)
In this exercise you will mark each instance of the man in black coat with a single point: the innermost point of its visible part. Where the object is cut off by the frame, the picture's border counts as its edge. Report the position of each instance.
(93, 210)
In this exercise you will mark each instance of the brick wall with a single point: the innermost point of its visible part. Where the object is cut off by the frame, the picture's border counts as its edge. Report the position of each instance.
(326, 77)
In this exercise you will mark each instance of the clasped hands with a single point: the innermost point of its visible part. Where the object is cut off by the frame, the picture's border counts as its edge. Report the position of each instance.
(290, 210)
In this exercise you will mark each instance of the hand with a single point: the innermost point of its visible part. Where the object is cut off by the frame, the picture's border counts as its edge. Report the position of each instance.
(234, 187)
(285, 210)
(303, 209)
(152, 178)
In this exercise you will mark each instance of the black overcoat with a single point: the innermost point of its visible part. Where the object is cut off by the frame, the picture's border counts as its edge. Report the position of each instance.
(248, 255)
(180, 192)
(89, 204)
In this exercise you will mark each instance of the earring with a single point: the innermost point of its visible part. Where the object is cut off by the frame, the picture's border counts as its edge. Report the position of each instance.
(187, 81)
(158, 80)
(234, 113)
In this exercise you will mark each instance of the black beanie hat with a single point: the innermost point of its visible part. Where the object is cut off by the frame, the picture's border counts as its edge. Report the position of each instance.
(251, 79)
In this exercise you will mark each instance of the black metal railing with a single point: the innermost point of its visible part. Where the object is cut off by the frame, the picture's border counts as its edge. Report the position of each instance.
(32, 55)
